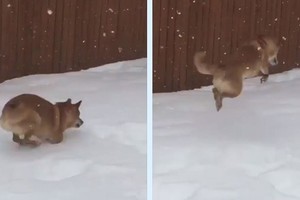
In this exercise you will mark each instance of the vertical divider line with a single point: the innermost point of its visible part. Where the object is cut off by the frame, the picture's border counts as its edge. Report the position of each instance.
(149, 100)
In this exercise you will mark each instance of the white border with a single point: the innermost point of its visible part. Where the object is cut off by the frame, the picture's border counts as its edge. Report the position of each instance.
(149, 101)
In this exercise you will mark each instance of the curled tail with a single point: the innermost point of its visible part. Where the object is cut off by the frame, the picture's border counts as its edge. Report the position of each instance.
(202, 66)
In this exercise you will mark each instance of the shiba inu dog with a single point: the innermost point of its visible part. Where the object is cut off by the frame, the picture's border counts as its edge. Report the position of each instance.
(34, 120)
(248, 61)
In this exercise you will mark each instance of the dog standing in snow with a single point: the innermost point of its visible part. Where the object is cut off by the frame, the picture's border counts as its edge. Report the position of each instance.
(248, 61)
(33, 120)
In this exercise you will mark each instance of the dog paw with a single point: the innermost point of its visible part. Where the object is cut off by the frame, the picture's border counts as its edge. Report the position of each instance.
(264, 78)
(218, 105)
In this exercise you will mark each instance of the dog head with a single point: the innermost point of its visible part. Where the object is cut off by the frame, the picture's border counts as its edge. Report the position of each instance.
(270, 47)
(72, 113)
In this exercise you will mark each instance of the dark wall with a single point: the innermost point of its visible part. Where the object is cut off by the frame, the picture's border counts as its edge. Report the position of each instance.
(50, 36)
(218, 26)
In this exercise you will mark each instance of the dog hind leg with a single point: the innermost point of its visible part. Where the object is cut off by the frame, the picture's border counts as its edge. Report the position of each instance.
(29, 139)
(218, 98)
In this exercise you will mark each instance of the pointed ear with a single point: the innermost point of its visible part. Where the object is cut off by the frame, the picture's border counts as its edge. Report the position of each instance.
(261, 41)
(78, 103)
(68, 101)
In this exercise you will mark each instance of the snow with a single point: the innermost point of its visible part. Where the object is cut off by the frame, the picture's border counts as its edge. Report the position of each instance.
(249, 150)
(103, 159)
(50, 12)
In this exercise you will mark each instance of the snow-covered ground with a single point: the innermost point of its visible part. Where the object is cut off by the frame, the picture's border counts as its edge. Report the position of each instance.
(250, 150)
(104, 159)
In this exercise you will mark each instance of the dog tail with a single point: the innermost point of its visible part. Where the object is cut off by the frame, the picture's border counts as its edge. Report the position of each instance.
(202, 66)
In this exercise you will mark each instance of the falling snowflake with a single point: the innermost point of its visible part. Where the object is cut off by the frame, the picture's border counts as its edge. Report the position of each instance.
(276, 19)
(104, 34)
(284, 38)
(120, 49)
(49, 12)
(111, 10)
(8, 5)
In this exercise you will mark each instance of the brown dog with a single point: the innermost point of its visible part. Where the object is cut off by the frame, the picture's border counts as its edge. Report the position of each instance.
(33, 120)
(248, 61)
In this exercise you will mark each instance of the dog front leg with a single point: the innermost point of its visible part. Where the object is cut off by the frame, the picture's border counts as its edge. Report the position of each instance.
(56, 138)
(265, 72)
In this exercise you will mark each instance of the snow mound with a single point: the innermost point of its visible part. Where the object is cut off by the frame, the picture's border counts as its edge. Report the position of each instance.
(104, 159)
(249, 150)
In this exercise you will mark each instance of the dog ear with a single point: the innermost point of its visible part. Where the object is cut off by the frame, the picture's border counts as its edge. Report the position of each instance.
(78, 103)
(261, 41)
(68, 100)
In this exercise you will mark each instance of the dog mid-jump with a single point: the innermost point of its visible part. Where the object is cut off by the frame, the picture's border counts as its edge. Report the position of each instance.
(248, 61)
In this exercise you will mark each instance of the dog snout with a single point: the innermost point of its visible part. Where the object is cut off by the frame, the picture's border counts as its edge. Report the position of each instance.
(79, 123)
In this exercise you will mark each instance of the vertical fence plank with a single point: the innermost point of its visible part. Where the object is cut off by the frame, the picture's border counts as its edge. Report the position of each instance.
(160, 38)
(57, 40)
(9, 36)
(22, 40)
(170, 45)
(68, 35)
(191, 42)
(292, 35)
(224, 45)
(36, 36)
(92, 26)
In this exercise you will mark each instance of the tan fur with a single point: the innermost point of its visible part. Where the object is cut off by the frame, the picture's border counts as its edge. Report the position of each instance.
(33, 120)
(248, 61)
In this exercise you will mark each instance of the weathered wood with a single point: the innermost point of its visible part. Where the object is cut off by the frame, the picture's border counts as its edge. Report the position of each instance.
(218, 27)
(52, 36)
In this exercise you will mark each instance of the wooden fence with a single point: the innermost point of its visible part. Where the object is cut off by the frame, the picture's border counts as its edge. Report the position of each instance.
(50, 36)
(182, 27)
